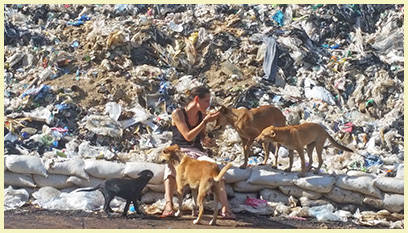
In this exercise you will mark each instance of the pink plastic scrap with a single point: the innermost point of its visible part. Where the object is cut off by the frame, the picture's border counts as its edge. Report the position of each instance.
(255, 202)
(348, 127)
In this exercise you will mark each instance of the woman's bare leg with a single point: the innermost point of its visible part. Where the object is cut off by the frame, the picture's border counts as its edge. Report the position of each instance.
(169, 187)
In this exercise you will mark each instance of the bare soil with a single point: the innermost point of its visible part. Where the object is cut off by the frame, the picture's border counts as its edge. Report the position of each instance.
(29, 217)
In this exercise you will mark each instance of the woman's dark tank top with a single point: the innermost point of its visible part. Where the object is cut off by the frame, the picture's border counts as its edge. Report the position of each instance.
(179, 139)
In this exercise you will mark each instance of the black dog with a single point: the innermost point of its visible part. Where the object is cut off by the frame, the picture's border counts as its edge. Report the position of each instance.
(129, 189)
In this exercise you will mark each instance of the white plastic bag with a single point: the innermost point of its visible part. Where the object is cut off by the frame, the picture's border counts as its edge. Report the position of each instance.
(14, 198)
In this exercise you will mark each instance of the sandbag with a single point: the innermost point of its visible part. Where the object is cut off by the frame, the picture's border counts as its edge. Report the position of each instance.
(289, 190)
(273, 196)
(344, 196)
(104, 169)
(243, 186)
(151, 197)
(70, 167)
(374, 202)
(239, 198)
(18, 180)
(393, 202)
(390, 184)
(236, 174)
(132, 169)
(56, 181)
(271, 178)
(400, 172)
(229, 190)
(25, 164)
(91, 182)
(156, 187)
(306, 202)
(46, 194)
(320, 184)
(361, 184)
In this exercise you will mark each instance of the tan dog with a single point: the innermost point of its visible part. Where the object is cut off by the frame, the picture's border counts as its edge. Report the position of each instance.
(201, 176)
(250, 123)
(296, 137)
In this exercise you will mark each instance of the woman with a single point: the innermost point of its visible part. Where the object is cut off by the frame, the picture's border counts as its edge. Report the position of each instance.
(188, 126)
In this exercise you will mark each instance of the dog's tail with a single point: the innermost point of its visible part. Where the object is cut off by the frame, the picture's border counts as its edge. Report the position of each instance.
(336, 144)
(222, 172)
(99, 186)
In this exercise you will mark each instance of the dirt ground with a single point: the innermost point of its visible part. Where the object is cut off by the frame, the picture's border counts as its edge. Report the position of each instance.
(29, 217)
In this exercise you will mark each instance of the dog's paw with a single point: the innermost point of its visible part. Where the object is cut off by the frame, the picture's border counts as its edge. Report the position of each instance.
(178, 213)
(213, 222)
(196, 221)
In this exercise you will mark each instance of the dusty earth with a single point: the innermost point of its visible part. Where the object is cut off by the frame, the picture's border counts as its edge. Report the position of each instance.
(29, 217)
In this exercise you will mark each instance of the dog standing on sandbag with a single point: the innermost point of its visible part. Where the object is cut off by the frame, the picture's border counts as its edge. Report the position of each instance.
(129, 189)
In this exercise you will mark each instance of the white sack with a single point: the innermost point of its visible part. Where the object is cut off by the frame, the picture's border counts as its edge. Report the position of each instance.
(25, 164)
(132, 169)
(243, 186)
(70, 167)
(104, 169)
(394, 202)
(273, 196)
(292, 190)
(361, 184)
(19, 180)
(320, 184)
(156, 187)
(271, 178)
(390, 184)
(236, 174)
(56, 181)
(344, 196)
(91, 182)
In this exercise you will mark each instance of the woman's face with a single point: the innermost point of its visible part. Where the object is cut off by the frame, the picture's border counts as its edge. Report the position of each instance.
(204, 103)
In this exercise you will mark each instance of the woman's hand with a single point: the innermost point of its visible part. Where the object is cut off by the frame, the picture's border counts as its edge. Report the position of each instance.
(211, 117)
(208, 142)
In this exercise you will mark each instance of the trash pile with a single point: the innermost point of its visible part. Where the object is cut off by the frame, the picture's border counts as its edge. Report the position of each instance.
(99, 82)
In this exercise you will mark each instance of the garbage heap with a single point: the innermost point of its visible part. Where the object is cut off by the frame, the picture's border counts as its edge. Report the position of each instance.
(89, 84)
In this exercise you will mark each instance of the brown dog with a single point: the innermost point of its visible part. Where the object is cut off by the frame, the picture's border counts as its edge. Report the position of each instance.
(201, 176)
(296, 137)
(250, 123)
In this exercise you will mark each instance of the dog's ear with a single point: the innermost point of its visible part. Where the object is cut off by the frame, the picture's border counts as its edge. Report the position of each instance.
(223, 109)
(176, 147)
(171, 148)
